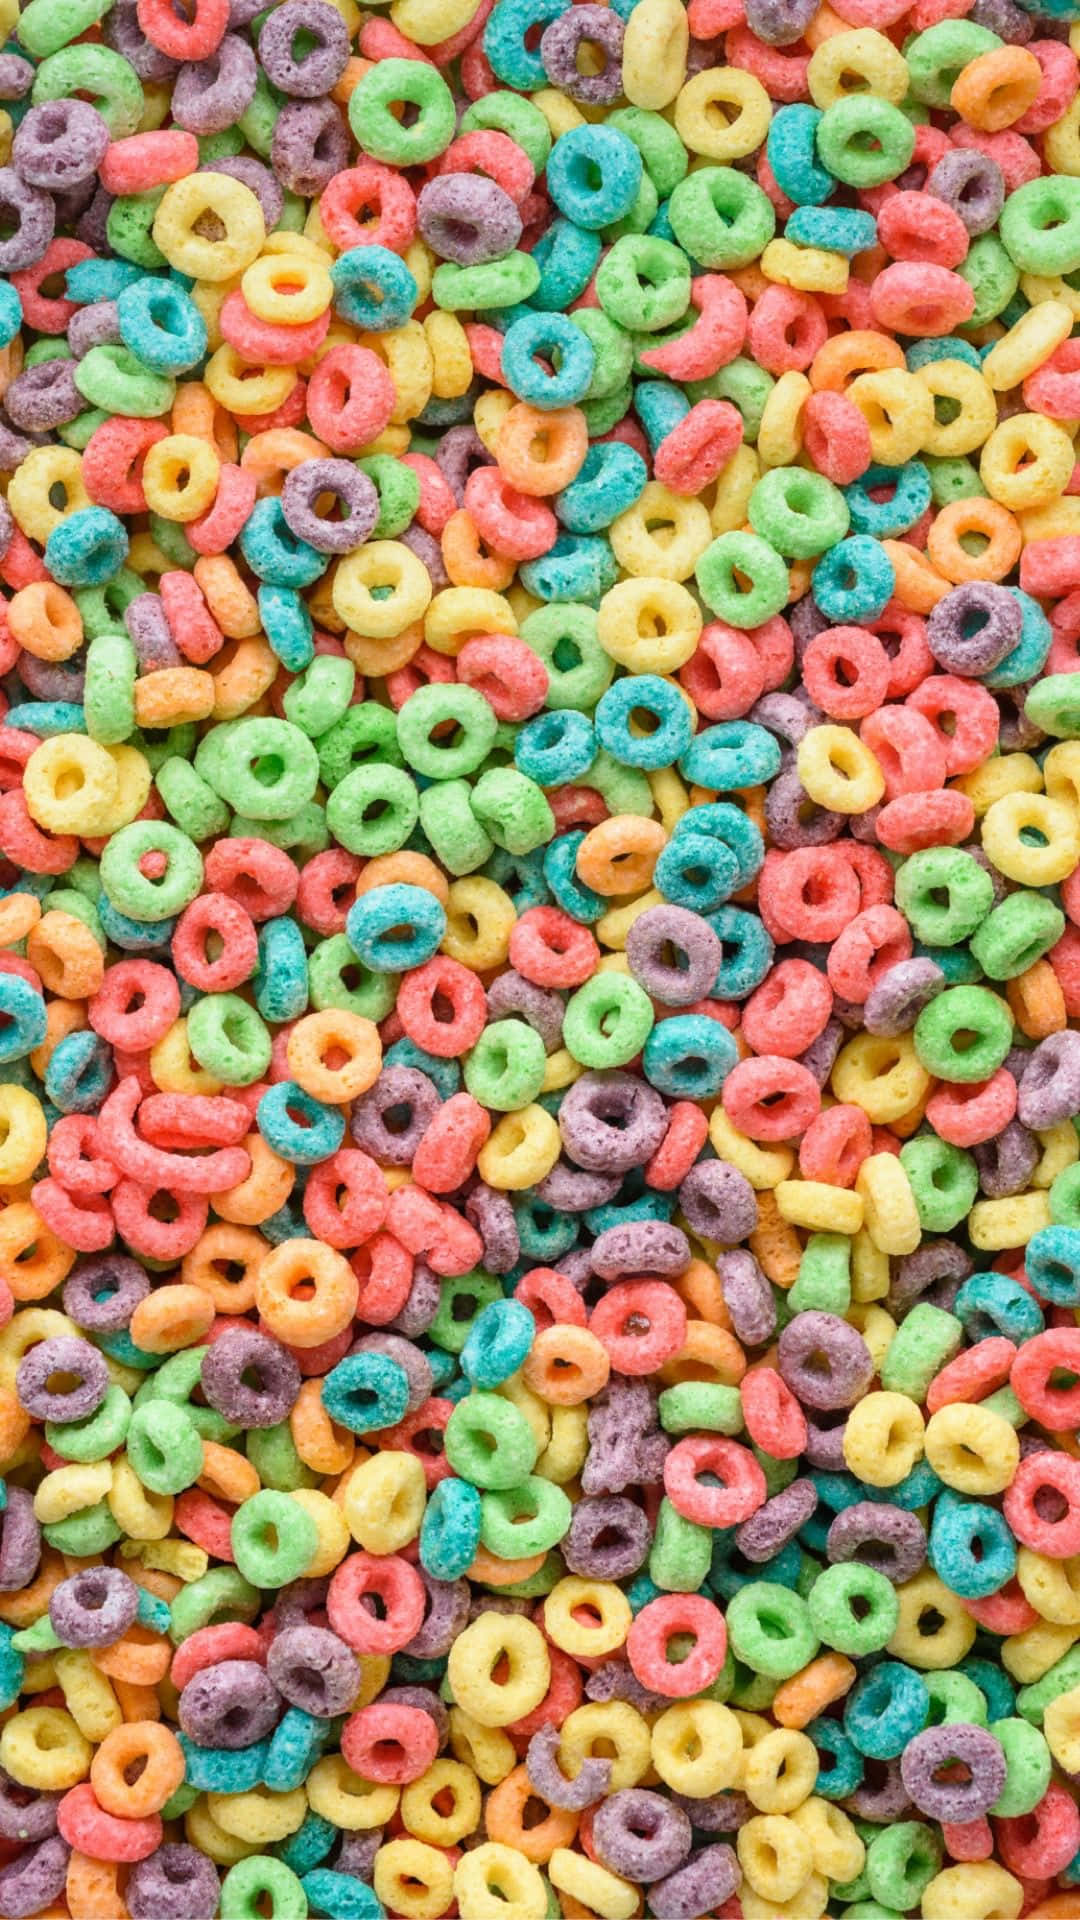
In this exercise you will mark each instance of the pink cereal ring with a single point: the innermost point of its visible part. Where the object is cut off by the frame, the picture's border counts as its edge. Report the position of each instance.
(904, 637)
(550, 949)
(447, 1152)
(877, 939)
(112, 463)
(384, 1269)
(1060, 80)
(1054, 388)
(260, 876)
(147, 160)
(74, 1156)
(688, 1130)
(214, 917)
(846, 672)
(491, 153)
(84, 1824)
(699, 447)
(267, 341)
(390, 1742)
(641, 1323)
(724, 676)
(84, 1222)
(146, 1231)
(350, 398)
(433, 1230)
(216, 529)
(836, 437)
(207, 1646)
(771, 1098)
(49, 314)
(135, 1005)
(191, 623)
(907, 749)
(178, 1120)
(712, 1481)
(661, 1621)
(224, 1168)
(782, 74)
(788, 1011)
(835, 1145)
(551, 1299)
(713, 341)
(964, 715)
(917, 820)
(381, 40)
(511, 677)
(916, 226)
(965, 1116)
(374, 190)
(391, 1580)
(437, 502)
(345, 1200)
(787, 329)
(921, 300)
(775, 1421)
(515, 524)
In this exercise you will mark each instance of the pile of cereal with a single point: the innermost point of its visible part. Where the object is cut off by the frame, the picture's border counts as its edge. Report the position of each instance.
(540, 922)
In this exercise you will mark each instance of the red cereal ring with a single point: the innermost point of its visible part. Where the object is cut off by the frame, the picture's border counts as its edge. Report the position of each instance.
(1057, 1408)
(551, 1298)
(1007, 1611)
(289, 414)
(26, 846)
(1041, 1843)
(425, 1425)
(1058, 89)
(207, 1646)
(565, 1690)
(966, 1116)
(426, 668)
(512, 523)
(390, 1580)
(205, 1522)
(640, 1323)
(964, 716)
(345, 1199)
(178, 1120)
(83, 1222)
(182, 38)
(492, 153)
(216, 529)
(384, 1269)
(266, 342)
(258, 875)
(1041, 1476)
(917, 226)
(688, 1130)
(437, 501)
(1054, 388)
(877, 940)
(835, 1145)
(980, 1371)
(390, 1742)
(788, 1011)
(553, 950)
(112, 463)
(774, 1419)
(144, 161)
(921, 300)
(836, 437)
(215, 919)
(846, 672)
(787, 330)
(327, 890)
(512, 678)
(434, 1229)
(191, 623)
(916, 820)
(368, 189)
(713, 341)
(724, 675)
(907, 748)
(673, 1616)
(146, 1231)
(447, 1151)
(135, 1005)
(698, 449)
(49, 313)
(446, 1034)
(771, 1098)
(712, 1481)
(84, 1823)
(350, 398)
(75, 1158)
(812, 892)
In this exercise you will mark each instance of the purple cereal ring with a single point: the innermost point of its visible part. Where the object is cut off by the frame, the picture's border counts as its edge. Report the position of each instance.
(593, 1777)
(783, 713)
(616, 1680)
(360, 503)
(251, 173)
(697, 951)
(641, 1835)
(210, 95)
(94, 1607)
(35, 1879)
(886, 1539)
(427, 549)
(310, 145)
(1050, 1091)
(626, 1446)
(895, 1003)
(882, 1797)
(719, 1203)
(826, 1363)
(175, 1882)
(421, 1305)
(50, 1358)
(819, 1057)
(231, 1705)
(29, 211)
(316, 70)
(121, 31)
(956, 1747)
(779, 22)
(391, 1118)
(44, 396)
(793, 819)
(598, 28)
(150, 633)
(468, 219)
(570, 1190)
(94, 326)
(610, 1122)
(640, 1247)
(458, 454)
(54, 680)
(717, 1812)
(824, 1447)
(59, 144)
(609, 1538)
(427, 1701)
(512, 994)
(748, 1297)
(26, 1813)
(445, 1616)
(314, 1670)
(971, 184)
(973, 627)
(935, 1273)
(777, 1522)
(1007, 1163)
(104, 1291)
(16, 76)
(252, 1380)
(492, 1214)
(20, 1541)
(699, 1887)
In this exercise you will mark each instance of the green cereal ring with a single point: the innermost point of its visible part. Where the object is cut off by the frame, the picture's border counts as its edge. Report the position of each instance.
(398, 488)
(1028, 1768)
(229, 1038)
(613, 352)
(1018, 932)
(703, 1404)
(512, 810)
(1032, 1701)
(374, 809)
(461, 1299)
(173, 541)
(824, 1282)
(798, 512)
(746, 554)
(180, 1802)
(607, 1021)
(770, 1629)
(643, 283)
(564, 637)
(411, 83)
(163, 1448)
(160, 745)
(603, 414)
(541, 1582)
(489, 1442)
(273, 1540)
(639, 217)
(94, 1438)
(260, 1885)
(319, 697)
(221, 1594)
(901, 1862)
(129, 228)
(47, 25)
(219, 146)
(864, 141)
(429, 710)
(97, 74)
(952, 479)
(70, 900)
(1065, 1197)
(306, 828)
(505, 1069)
(130, 891)
(191, 799)
(936, 58)
(260, 116)
(1054, 705)
(371, 995)
(746, 385)
(778, 1473)
(527, 1518)
(86, 1534)
(102, 608)
(512, 114)
(964, 1034)
(666, 159)
(495, 283)
(681, 1552)
(753, 1692)
(111, 376)
(954, 1696)
(457, 838)
(109, 695)
(853, 1609)
(175, 1381)
(1040, 225)
(923, 1343)
(944, 1181)
(269, 770)
(1005, 1403)
(721, 218)
(967, 888)
(272, 1452)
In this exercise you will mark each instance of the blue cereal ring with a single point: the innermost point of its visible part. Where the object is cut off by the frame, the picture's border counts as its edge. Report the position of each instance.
(394, 928)
(304, 1140)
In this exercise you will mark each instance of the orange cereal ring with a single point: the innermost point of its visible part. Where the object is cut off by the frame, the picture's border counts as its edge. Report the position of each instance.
(306, 1293)
(136, 1769)
(618, 856)
(171, 1318)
